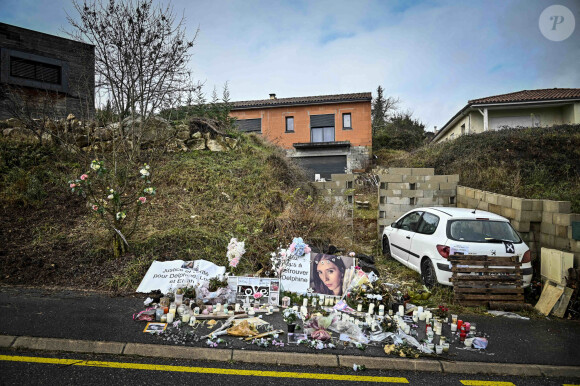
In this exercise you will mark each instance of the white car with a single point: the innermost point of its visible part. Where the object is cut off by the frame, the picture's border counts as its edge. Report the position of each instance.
(423, 239)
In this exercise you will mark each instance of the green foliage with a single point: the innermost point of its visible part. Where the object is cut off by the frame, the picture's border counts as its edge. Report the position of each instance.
(402, 132)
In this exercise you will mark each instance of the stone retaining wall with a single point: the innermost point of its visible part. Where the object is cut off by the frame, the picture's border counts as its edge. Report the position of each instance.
(541, 223)
(404, 189)
(339, 190)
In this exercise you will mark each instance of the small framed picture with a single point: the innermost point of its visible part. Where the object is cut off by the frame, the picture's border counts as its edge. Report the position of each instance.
(294, 338)
(155, 327)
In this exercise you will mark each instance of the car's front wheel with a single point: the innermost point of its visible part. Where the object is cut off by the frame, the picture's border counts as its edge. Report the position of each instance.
(386, 247)
(428, 274)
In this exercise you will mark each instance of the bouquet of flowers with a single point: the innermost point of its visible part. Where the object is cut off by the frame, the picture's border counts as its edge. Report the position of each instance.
(290, 316)
(281, 257)
(236, 250)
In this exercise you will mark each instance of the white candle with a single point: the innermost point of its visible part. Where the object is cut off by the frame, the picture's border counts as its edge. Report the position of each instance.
(251, 312)
(163, 318)
(419, 310)
(192, 321)
(453, 327)
(295, 308)
(313, 302)
(185, 317)
(359, 308)
(371, 308)
(422, 315)
(196, 311)
(170, 317)
(391, 312)
(218, 307)
(305, 302)
(304, 310)
(237, 307)
(381, 310)
(402, 310)
(321, 299)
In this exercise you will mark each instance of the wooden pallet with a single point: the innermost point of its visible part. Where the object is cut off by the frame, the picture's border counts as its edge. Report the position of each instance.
(477, 280)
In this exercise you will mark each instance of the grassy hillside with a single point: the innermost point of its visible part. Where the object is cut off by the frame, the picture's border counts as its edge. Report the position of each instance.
(529, 163)
(203, 199)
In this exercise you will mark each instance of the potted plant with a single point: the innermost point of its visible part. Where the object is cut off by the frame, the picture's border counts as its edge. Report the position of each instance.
(290, 317)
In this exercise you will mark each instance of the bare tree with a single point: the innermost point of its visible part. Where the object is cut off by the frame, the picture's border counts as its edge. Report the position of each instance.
(141, 54)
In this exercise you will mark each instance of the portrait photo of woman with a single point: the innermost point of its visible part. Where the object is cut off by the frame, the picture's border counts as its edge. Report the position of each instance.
(327, 273)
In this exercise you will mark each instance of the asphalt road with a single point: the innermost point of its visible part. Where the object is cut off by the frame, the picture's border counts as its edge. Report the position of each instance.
(23, 367)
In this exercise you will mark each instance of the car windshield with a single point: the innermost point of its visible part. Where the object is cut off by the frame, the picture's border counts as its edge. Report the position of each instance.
(482, 231)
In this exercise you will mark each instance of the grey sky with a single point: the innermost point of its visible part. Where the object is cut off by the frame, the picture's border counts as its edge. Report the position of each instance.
(434, 55)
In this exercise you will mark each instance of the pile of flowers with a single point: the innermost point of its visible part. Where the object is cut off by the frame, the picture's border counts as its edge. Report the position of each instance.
(267, 342)
(316, 344)
(236, 250)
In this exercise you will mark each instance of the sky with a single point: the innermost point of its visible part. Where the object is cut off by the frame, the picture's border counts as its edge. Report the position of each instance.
(434, 55)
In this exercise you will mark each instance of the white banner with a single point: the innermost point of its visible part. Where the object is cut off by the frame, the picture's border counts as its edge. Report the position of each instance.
(168, 275)
(296, 275)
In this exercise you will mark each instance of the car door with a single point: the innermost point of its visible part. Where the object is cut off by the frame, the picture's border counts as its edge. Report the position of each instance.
(403, 233)
(424, 241)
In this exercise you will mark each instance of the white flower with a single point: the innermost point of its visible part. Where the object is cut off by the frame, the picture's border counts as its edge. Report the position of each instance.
(144, 172)
(110, 196)
(148, 301)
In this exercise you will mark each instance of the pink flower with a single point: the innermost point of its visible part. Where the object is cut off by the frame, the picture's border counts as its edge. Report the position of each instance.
(234, 262)
(142, 199)
(357, 268)
(84, 177)
(352, 254)
(307, 249)
(95, 207)
(257, 295)
(73, 185)
(283, 254)
(291, 247)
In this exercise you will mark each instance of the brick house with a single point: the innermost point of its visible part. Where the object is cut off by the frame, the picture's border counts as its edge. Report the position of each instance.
(325, 134)
(53, 75)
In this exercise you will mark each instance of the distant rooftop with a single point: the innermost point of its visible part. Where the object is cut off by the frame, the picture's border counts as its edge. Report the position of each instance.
(531, 95)
(307, 100)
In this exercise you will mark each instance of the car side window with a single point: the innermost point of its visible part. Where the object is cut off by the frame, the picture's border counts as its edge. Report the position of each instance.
(410, 221)
(428, 224)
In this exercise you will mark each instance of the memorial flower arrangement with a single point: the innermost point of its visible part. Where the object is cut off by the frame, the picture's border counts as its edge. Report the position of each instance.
(282, 257)
(117, 196)
(290, 316)
(236, 250)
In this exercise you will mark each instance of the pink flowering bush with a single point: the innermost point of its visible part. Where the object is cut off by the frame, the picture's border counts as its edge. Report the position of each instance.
(116, 196)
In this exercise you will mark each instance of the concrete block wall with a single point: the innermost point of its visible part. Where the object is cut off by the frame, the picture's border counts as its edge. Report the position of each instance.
(339, 190)
(404, 189)
(541, 223)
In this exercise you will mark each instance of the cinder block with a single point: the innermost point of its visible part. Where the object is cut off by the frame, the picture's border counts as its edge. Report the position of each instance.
(429, 193)
(494, 209)
(548, 228)
(557, 206)
(521, 204)
(446, 193)
(319, 185)
(391, 177)
(400, 171)
(470, 192)
(422, 171)
(508, 212)
(472, 203)
(505, 201)
(521, 227)
(548, 217)
(561, 218)
(411, 193)
(398, 200)
(428, 185)
(562, 243)
(491, 198)
(537, 205)
(461, 200)
(427, 201)
(561, 231)
(397, 185)
(392, 192)
(448, 185)
(528, 215)
(453, 178)
(437, 178)
(575, 245)
(342, 177)
(413, 179)
(483, 206)
(460, 190)
(546, 240)
(478, 195)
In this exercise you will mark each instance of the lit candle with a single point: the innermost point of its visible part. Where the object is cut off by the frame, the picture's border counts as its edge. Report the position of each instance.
(313, 302)
(359, 308)
(170, 317)
(422, 315)
(402, 310)
(192, 321)
(391, 312)
(305, 302)
(381, 310)
(164, 318)
(237, 307)
(371, 308)
(453, 327)
(439, 349)
(185, 317)
(445, 347)
(172, 308)
(321, 299)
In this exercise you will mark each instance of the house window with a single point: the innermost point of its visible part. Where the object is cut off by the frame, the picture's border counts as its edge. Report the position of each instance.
(30, 69)
(346, 122)
(463, 129)
(289, 124)
(250, 125)
(322, 134)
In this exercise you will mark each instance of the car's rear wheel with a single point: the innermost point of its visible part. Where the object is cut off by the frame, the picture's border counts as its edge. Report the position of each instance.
(428, 274)
(386, 247)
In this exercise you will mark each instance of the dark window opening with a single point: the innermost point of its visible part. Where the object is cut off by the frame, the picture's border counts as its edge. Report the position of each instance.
(452, 200)
(349, 184)
(346, 121)
(412, 186)
(349, 199)
(382, 199)
(412, 201)
(30, 69)
(289, 124)
(383, 185)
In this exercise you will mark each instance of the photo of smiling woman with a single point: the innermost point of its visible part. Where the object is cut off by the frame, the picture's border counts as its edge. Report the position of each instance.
(327, 273)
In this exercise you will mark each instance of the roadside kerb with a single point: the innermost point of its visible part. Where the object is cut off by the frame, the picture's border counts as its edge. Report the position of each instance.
(285, 358)
(164, 351)
(54, 344)
(379, 363)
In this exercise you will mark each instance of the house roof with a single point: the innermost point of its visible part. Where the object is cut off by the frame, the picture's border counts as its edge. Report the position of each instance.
(307, 100)
(541, 95)
(531, 95)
